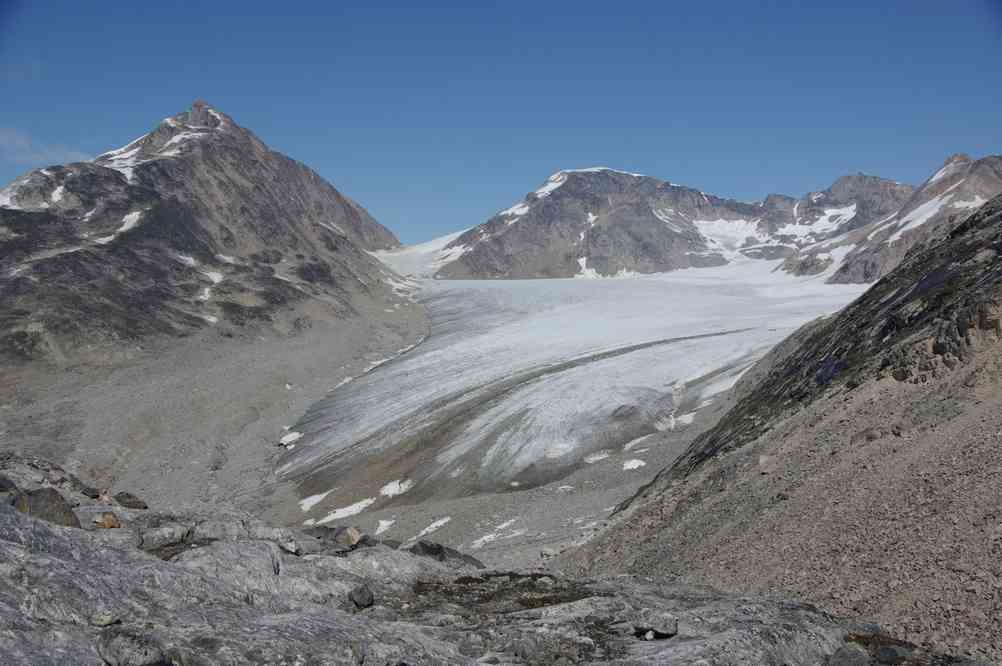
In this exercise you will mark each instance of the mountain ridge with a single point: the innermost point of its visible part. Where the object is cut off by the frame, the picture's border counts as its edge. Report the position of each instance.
(600, 222)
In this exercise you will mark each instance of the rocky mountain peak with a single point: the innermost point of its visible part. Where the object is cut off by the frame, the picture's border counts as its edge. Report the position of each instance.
(958, 157)
(858, 184)
(210, 225)
(778, 202)
(199, 114)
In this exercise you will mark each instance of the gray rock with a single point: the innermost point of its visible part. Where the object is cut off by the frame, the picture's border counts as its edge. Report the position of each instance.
(129, 501)
(362, 596)
(850, 654)
(247, 601)
(8, 490)
(892, 654)
(654, 625)
(123, 646)
(442, 553)
(47, 504)
(104, 619)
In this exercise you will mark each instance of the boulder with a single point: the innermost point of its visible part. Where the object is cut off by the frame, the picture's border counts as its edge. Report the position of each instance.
(654, 625)
(107, 521)
(104, 619)
(129, 501)
(362, 596)
(347, 536)
(48, 505)
(8, 491)
(336, 540)
(441, 553)
(849, 654)
(892, 654)
(120, 646)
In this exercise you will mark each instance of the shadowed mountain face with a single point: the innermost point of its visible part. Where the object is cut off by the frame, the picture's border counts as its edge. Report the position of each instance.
(859, 466)
(599, 222)
(195, 223)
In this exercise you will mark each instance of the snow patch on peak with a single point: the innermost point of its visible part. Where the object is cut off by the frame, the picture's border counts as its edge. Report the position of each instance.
(664, 214)
(952, 166)
(729, 234)
(552, 184)
(516, 211)
(128, 222)
(599, 169)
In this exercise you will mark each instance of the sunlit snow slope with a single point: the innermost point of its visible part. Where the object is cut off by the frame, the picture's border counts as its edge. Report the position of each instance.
(520, 380)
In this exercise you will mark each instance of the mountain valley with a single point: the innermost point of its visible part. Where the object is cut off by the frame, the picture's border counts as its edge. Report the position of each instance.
(623, 421)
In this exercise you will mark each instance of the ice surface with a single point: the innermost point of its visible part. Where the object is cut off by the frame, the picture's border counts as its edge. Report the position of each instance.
(383, 526)
(518, 379)
(633, 464)
(831, 219)
(730, 234)
(424, 259)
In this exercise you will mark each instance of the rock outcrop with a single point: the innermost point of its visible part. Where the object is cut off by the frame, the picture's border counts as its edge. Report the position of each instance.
(233, 591)
(859, 467)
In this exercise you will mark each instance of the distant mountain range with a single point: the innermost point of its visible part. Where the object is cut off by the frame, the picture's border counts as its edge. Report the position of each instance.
(601, 222)
(196, 223)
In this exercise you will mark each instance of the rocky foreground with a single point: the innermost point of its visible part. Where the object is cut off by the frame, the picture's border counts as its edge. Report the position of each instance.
(90, 578)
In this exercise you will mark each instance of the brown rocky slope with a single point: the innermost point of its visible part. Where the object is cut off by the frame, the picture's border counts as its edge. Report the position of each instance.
(861, 471)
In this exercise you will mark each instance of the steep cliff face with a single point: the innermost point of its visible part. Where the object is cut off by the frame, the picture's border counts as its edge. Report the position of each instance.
(600, 222)
(193, 224)
(859, 467)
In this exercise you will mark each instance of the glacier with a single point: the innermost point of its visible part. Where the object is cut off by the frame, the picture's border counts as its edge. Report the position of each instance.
(520, 382)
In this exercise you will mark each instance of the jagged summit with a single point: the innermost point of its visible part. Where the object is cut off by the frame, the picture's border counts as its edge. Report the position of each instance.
(200, 113)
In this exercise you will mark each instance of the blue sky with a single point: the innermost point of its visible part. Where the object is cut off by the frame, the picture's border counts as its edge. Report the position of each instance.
(435, 117)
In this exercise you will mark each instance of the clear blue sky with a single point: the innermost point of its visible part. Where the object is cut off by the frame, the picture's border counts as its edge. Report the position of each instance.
(436, 117)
